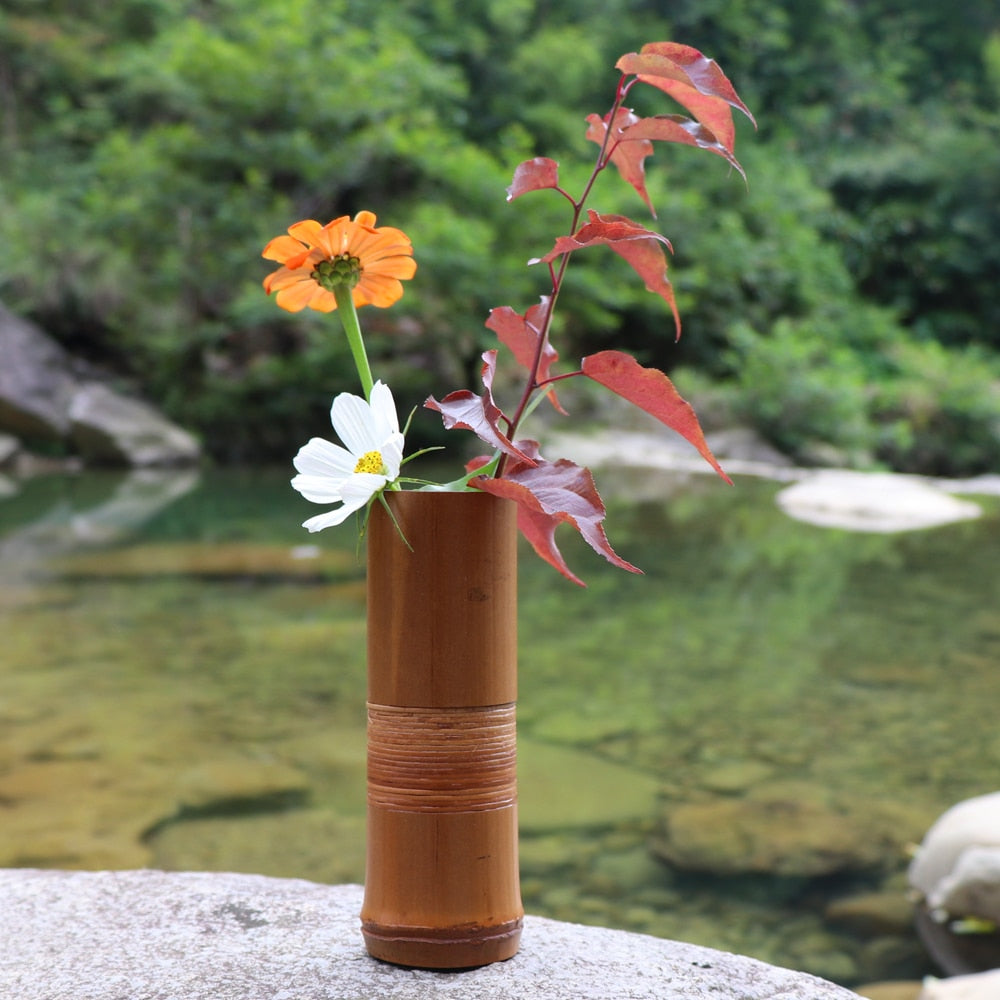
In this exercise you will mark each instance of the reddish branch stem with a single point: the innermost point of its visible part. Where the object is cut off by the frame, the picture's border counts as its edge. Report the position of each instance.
(557, 274)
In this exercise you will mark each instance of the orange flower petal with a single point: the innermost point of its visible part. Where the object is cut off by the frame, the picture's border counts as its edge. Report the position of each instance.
(385, 258)
(307, 231)
(282, 278)
(396, 267)
(334, 238)
(377, 290)
(281, 248)
(297, 296)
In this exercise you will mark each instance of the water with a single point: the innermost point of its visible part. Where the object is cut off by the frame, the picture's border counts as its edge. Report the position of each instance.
(182, 686)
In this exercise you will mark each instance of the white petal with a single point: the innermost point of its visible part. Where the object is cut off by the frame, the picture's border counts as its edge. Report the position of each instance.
(357, 491)
(392, 455)
(328, 520)
(323, 458)
(384, 415)
(362, 484)
(319, 489)
(352, 419)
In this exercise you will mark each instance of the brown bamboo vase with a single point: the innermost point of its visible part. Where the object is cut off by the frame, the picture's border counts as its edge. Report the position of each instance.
(442, 887)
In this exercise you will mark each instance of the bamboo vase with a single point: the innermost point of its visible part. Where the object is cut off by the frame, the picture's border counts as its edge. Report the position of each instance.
(442, 887)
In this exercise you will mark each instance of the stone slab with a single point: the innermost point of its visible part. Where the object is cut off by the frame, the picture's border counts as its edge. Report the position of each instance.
(872, 501)
(151, 935)
(979, 986)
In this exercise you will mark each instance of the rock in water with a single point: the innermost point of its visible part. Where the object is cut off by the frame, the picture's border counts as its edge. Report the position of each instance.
(872, 501)
(44, 401)
(957, 867)
(110, 429)
(36, 384)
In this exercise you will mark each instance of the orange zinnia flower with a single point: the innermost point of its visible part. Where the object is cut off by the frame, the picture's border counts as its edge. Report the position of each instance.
(344, 253)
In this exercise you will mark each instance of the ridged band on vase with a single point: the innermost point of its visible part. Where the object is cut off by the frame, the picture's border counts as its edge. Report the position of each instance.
(442, 759)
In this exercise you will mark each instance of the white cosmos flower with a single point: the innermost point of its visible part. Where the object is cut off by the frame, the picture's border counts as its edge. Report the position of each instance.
(351, 476)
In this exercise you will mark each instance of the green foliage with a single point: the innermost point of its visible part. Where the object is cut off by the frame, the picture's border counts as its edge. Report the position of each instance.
(924, 223)
(805, 391)
(149, 149)
(940, 412)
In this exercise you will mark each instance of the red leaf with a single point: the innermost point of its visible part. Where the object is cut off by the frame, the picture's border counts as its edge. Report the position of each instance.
(549, 494)
(676, 128)
(640, 247)
(653, 392)
(691, 79)
(534, 175)
(628, 159)
(478, 414)
(521, 334)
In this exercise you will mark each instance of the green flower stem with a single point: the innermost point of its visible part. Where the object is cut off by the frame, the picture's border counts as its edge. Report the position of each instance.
(349, 318)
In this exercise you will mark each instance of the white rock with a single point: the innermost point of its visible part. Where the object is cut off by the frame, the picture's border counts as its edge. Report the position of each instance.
(972, 889)
(149, 935)
(974, 823)
(979, 986)
(872, 501)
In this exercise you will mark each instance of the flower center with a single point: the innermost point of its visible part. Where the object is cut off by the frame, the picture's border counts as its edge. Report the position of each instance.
(336, 272)
(372, 462)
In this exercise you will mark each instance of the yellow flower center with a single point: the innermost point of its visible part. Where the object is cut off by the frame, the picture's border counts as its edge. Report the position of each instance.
(336, 272)
(371, 461)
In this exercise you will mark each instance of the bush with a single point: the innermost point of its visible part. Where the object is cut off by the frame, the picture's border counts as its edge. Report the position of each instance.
(805, 391)
(940, 413)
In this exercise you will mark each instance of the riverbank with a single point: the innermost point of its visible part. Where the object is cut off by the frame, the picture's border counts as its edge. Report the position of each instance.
(837, 498)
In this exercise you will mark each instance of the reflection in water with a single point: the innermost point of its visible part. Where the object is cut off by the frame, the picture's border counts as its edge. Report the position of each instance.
(734, 749)
(136, 497)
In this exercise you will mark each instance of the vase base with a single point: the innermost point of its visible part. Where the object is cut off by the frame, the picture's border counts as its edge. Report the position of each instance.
(462, 947)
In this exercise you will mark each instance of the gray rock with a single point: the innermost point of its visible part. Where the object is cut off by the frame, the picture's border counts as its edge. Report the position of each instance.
(149, 935)
(112, 429)
(44, 401)
(9, 448)
(36, 384)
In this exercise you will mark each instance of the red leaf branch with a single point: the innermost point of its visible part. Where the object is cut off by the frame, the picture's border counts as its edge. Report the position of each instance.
(478, 414)
(642, 248)
(552, 493)
(534, 175)
(652, 392)
(628, 158)
(549, 494)
(525, 337)
(693, 80)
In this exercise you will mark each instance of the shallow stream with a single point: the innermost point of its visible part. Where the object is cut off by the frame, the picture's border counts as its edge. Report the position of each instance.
(182, 686)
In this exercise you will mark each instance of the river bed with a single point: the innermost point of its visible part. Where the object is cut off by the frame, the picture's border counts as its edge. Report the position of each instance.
(182, 686)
